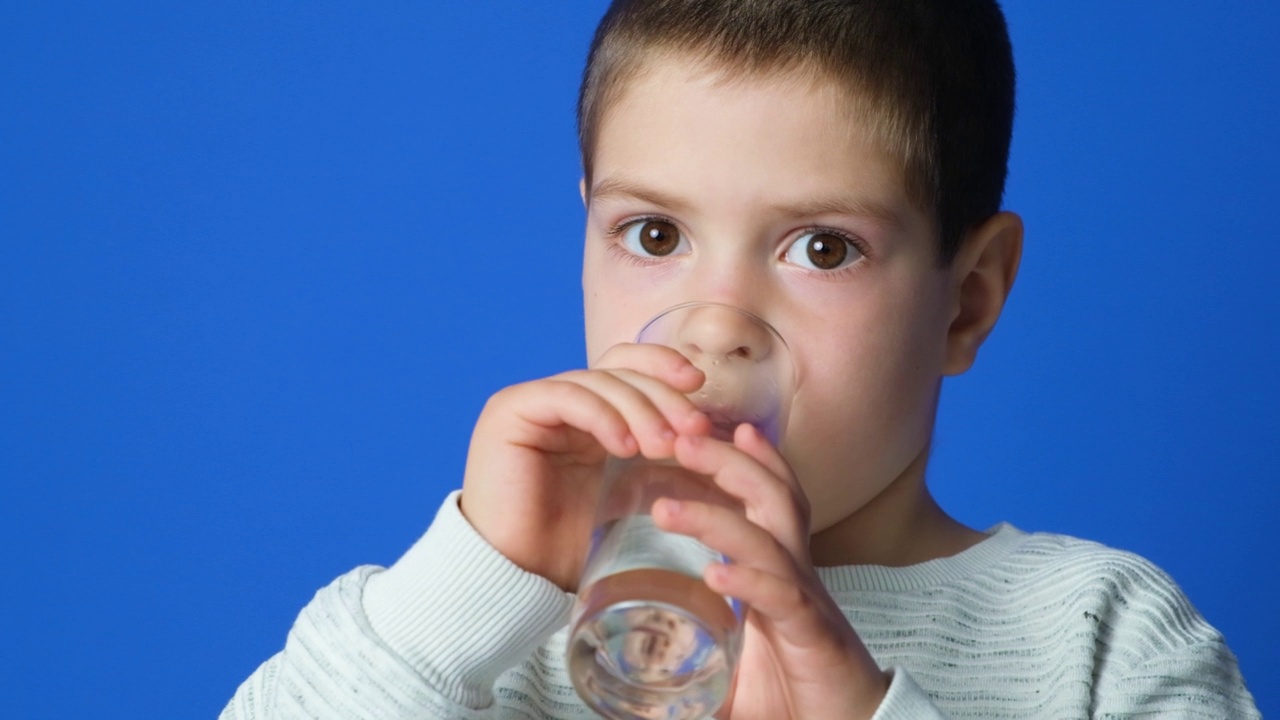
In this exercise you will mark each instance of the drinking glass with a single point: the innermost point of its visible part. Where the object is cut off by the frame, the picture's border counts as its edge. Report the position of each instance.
(648, 638)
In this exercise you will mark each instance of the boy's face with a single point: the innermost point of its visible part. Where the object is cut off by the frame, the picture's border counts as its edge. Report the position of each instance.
(766, 193)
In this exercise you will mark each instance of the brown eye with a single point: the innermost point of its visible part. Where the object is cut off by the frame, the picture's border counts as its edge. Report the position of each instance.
(653, 238)
(824, 251)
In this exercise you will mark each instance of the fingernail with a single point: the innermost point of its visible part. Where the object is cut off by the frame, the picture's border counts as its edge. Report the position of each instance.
(716, 572)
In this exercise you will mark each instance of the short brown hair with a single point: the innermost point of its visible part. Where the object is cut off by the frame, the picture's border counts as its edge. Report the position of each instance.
(938, 75)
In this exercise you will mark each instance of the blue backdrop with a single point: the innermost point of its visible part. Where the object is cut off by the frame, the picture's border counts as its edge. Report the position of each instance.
(261, 264)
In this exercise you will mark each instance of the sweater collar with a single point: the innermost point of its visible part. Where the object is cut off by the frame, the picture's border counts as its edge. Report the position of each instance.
(1000, 541)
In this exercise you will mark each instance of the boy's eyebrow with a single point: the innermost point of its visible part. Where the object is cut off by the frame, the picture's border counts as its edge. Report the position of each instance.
(617, 187)
(856, 207)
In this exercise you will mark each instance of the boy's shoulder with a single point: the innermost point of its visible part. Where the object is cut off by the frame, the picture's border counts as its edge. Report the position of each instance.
(1041, 556)
(1075, 585)
(1054, 561)
(1014, 562)
(1054, 596)
(1045, 618)
(1119, 592)
(1065, 552)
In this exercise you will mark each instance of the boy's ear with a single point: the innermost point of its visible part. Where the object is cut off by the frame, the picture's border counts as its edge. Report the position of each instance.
(582, 190)
(982, 276)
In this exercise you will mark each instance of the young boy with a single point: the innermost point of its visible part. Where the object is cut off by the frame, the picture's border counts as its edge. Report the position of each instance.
(836, 168)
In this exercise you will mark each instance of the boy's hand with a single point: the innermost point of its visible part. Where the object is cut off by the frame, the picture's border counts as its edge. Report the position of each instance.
(538, 449)
(800, 657)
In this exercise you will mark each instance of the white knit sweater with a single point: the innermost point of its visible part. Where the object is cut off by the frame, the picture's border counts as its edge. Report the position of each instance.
(1019, 626)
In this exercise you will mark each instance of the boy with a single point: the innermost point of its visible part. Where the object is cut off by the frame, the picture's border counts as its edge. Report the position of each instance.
(836, 168)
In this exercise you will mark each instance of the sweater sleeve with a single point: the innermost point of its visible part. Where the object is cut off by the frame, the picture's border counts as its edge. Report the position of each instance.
(1157, 656)
(1198, 681)
(425, 638)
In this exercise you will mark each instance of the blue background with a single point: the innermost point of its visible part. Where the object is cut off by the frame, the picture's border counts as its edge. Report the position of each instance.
(261, 264)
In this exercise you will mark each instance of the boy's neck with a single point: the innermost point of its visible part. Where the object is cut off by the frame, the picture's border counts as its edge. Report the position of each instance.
(901, 526)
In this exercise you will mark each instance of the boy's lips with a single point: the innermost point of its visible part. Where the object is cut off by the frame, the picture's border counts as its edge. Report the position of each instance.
(729, 417)
(719, 417)
(722, 419)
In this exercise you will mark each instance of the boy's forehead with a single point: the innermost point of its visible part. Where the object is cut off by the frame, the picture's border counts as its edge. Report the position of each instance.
(712, 75)
(792, 125)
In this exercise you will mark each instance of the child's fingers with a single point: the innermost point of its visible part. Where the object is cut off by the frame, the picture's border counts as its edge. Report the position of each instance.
(675, 406)
(546, 406)
(753, 443)
(725, 530)
(757, 446)
(769, 501)
(653, 411)
(763, 574)
(657, 361)
(792, 606)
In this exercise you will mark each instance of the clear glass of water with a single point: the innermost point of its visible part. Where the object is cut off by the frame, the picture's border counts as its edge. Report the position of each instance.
(648, 638)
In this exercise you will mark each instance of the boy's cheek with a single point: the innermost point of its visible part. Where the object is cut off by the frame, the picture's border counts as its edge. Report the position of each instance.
(616, 308)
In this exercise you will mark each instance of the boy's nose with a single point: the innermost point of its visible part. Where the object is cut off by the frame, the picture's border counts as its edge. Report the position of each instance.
(718, 332)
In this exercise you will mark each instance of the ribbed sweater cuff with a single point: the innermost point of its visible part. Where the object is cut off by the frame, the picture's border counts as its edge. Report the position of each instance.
(906, 701)
(460, 612)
